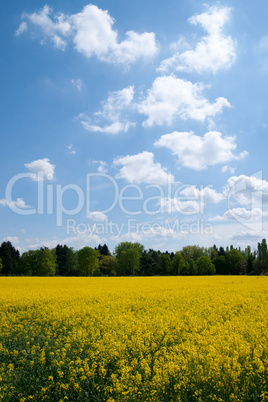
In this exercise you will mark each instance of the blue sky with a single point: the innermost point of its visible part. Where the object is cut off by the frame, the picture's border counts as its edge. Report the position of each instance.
(136, 121)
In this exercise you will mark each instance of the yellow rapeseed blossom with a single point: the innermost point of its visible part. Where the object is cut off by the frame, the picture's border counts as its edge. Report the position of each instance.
(134, 339)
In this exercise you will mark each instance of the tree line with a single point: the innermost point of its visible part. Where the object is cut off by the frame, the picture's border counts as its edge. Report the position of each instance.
(131, 259)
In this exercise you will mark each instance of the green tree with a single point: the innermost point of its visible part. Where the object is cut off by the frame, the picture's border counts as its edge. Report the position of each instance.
(1, 265)
(108, 265)
(104, 250)
(235, 261)
(261, 265)
(88, 262)
(40, 262)
(178, 264)
(67, 261)
(47, 263)
(61, 252)
(205, 266)
(128, 256)
(191, 267)
(10, 258)
(71, 263)
(165, 264)
(147, 263)
(26, 264)
(221, 265)
(156, 265)
(192, 252)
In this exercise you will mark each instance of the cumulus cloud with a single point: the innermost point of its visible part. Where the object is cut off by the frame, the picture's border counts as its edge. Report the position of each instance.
(248, 235)
(172, 205)
(198, 152)
(41, 169)
(116, 103)
(56, 29)
(97, 216)
(92, 34)
(22, 28)
(215, 51)
(191, 200)
(141, 168)
(172, 97)
(102, 166)
(19, 203)
(13, 240)
(247, 190)
(205, 194)
(240, 214)
(228, 169)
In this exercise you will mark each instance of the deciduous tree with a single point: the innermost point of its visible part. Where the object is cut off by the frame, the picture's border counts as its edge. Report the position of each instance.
(128, 256)
(88, 262)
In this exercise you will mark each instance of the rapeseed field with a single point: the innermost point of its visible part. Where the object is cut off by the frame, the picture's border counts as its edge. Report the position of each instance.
(134, 339)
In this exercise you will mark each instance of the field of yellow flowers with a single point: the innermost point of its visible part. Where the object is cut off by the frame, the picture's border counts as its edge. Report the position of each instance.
(134, 339)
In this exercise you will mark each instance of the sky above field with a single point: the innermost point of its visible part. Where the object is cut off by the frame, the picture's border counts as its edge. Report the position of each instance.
(134, 121)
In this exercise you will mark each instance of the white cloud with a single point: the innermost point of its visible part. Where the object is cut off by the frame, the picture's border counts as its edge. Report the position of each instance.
(228, 169)
(19, 203)
(97, 216)
(191, 200)
(148, 230)
(205, 194)
(41, 169)
(54, 29)
(77, 82)
(22, 28)
(215, 51)
(102, 168)
(92, 34)
(162, 231)
(198, 152)
(141, 168)
(247, 190)
(113, 128)
(172, 97)
(13, 240)
(70, 149)
(135, 47)
(172, 205)
(116, 103)
(240, 214)
(248, 234)
(79, 240)
(95, 36)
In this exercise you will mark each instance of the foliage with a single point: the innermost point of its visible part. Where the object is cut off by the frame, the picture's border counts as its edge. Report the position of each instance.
(192, 252)
(37, 263)
(178, 264)
(165, 264)
(108, 265)
(88, 261)
(67, 261)
(205, 266)
(10, 257)
(128, 256)
(130, 259)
